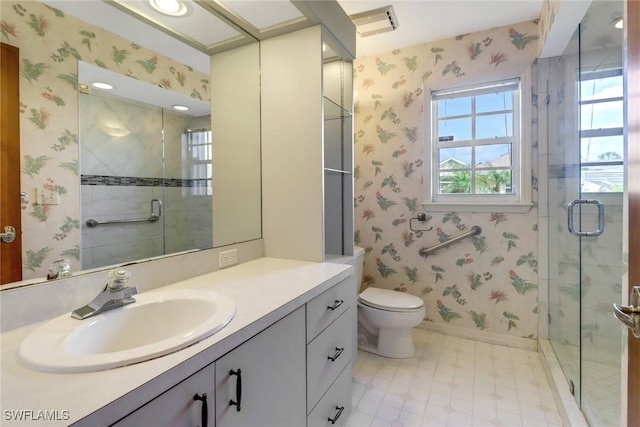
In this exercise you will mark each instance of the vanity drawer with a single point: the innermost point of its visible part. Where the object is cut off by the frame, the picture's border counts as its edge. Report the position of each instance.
(337, 400)
(327, 355)
(329, 305)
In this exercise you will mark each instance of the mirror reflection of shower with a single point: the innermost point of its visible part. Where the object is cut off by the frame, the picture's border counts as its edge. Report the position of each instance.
(145, 175)
(197, 159)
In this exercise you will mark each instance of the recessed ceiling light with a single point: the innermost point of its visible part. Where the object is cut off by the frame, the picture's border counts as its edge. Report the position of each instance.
(101, 85)
(619, 23)
(169, 7)
(180, 107)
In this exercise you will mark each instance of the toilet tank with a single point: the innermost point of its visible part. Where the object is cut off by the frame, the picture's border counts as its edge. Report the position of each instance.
(357, 261)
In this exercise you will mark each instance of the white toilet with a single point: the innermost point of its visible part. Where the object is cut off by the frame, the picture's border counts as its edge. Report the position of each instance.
(385, 317)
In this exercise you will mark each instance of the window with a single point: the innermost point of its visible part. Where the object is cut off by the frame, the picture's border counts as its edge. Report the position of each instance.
(475, 149)
(601, 131)
(197, 160)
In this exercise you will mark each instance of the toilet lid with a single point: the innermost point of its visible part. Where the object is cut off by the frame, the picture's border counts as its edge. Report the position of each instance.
(385, 299)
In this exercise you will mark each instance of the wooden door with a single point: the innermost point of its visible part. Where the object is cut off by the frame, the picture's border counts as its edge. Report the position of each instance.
(633, 119)
(10, 253)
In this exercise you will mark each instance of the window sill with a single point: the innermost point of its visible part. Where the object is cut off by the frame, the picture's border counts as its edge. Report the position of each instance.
(517, 208)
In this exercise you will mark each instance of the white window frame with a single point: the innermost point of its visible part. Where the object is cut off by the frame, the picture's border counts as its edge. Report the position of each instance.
(519, 201)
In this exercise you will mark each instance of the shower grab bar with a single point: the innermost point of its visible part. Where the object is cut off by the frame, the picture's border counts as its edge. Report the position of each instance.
(152, 218)
(94, 223)
(475, 230)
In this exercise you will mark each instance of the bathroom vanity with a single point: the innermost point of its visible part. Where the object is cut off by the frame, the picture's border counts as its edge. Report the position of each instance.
(284, 359)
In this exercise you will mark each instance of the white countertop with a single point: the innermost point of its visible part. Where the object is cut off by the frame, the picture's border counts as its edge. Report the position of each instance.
(264, 290)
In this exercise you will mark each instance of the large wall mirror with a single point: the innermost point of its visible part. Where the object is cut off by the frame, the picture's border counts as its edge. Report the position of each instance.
(145, 169)
(89, 159)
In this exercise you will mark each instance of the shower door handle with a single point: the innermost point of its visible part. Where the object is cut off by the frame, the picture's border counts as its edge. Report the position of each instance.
(572, 229)
(630, 315)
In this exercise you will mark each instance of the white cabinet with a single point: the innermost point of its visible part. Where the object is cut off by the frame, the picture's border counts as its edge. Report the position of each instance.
(327, 356)
(337, 77)
(294, 372)
(177, 406)
(335, 406)
(267, 386)
(328, 306)
(330, 338)
(261, 382)
(307, 145)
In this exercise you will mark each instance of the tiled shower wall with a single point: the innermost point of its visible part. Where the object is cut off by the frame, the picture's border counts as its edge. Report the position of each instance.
(121, 162)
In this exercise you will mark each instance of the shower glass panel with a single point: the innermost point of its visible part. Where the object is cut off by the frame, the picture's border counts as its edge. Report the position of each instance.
(586, 162)
(564, 186)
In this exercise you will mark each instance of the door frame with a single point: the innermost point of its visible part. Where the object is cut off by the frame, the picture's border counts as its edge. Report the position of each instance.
(632, 37)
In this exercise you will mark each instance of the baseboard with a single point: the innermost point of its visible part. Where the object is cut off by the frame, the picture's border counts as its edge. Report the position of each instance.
(488, 337)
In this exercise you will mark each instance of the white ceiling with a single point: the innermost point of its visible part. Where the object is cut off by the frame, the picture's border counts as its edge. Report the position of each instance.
(430, 20)
(419, 21)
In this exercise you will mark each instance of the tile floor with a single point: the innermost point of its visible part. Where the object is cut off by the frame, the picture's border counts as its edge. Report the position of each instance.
(452, 382)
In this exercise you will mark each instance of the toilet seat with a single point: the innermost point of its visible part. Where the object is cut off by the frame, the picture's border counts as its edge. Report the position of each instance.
(387, 300)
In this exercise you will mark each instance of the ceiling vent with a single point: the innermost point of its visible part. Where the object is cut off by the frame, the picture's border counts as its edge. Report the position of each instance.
(375, 21)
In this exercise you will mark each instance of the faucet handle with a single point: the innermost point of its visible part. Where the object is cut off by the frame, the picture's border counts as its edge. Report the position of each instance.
(118, 278)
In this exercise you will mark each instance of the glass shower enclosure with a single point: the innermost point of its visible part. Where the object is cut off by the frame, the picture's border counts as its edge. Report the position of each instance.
(585, 185)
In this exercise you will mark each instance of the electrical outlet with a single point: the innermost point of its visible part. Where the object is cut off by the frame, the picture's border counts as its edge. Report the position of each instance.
(228, 258)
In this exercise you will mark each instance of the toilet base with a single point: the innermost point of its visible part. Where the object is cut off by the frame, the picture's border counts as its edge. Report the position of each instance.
(394, 343)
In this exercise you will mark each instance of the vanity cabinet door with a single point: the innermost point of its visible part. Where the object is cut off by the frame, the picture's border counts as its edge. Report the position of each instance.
(262, 382)
(177, 406)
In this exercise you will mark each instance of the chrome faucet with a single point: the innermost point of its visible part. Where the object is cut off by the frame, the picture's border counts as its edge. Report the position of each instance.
(115, 294)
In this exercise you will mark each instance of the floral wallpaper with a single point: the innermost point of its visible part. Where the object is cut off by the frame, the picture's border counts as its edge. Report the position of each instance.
(488, 282)
(51, 44)
(548, 15)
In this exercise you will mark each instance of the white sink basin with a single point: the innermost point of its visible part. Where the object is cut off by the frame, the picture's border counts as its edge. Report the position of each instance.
(158, 323)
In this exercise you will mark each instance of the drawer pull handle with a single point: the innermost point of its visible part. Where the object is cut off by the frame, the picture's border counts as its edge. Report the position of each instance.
(204, 415)
(238, 400)
(337, 415)
(336, 354)
(337, 304)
